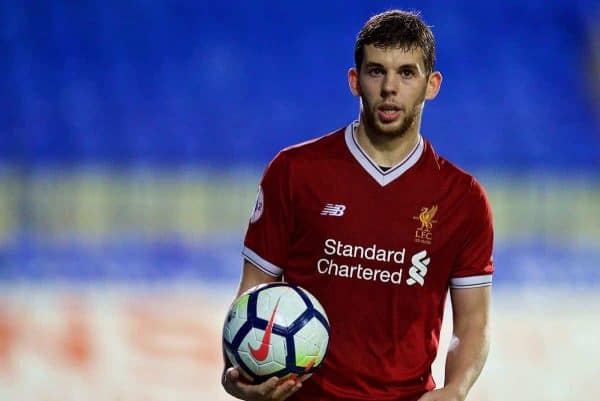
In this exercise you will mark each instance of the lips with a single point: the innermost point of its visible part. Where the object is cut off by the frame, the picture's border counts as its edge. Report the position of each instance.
(388, 112)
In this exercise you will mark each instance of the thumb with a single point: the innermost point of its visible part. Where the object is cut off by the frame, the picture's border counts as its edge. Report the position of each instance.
(232, 374)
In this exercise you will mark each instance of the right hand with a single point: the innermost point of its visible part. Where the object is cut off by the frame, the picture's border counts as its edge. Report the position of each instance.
(271, 390)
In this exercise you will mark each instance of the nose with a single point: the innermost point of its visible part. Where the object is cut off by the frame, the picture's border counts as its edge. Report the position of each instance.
(389, 85)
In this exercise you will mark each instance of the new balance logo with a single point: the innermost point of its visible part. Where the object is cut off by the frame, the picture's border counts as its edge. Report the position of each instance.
(331, 209)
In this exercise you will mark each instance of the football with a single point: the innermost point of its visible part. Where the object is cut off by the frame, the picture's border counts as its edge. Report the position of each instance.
(276, 329)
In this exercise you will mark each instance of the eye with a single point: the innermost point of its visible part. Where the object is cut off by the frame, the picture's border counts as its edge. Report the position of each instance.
(407, 73)
(376, 71)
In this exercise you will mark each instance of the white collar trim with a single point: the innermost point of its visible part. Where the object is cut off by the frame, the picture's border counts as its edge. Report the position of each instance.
(382, 177)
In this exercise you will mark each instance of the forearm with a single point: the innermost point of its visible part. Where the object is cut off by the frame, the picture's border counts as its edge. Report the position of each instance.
(466, 356)
(250, 277)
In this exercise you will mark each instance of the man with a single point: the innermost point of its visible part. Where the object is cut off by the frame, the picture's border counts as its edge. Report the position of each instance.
(378, 226)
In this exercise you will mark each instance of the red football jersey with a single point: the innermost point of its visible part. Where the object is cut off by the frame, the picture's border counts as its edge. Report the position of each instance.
(379, 249)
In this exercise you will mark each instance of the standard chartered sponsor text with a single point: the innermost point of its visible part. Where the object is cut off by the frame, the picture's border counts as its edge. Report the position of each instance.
(372, 253)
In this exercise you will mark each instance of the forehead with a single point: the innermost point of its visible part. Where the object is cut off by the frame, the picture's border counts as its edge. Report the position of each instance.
(392, 56)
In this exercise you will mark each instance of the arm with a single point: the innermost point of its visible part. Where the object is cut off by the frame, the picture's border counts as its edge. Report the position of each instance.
(231, 380)
(470, 340)
(252, 276)
(469, 345)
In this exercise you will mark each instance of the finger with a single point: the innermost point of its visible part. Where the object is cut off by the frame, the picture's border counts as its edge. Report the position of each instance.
(232, 383)
(270, 385)
(232, 374)
(237, 382)
(291, 376)
(229, 376)
(285, 389)
(305, 377)
(264, 389)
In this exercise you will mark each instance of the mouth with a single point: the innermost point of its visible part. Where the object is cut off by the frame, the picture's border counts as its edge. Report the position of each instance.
(388, 112)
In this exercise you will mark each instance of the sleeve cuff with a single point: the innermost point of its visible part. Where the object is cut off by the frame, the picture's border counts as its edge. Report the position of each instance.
(262, 264)
(471, 281)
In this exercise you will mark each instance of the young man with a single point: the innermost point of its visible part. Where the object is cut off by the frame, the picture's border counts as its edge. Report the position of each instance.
(378, 227)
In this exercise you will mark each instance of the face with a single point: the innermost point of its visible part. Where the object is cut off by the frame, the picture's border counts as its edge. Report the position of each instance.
(393, 87)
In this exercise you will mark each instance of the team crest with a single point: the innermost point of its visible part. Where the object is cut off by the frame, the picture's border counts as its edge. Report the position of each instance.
(259, 206)
(423, 233)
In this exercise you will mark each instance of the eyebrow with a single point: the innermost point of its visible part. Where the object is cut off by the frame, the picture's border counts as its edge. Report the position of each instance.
(408, 65)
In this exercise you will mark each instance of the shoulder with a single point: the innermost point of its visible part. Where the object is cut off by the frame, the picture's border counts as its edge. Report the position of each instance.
(302, 156)
(465, 195)
(317, 148)
(460, 179)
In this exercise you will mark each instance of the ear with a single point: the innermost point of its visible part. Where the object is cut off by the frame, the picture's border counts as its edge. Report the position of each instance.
(433, 85)
(353, 81)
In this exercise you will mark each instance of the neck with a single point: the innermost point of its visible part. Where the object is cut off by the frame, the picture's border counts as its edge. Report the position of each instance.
(387, 151)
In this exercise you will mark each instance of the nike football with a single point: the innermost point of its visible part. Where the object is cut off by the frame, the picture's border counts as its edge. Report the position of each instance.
(275, 329)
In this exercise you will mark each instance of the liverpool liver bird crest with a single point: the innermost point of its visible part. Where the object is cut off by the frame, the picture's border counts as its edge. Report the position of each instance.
(426, 217)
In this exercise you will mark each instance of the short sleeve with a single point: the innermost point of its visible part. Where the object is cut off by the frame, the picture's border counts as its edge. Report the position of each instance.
(267, 237)
(474, 263)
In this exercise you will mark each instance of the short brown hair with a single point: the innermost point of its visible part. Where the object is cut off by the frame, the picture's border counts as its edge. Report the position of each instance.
(397, 28)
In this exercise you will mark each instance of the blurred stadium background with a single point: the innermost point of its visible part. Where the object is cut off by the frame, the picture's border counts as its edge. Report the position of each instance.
(133, 135)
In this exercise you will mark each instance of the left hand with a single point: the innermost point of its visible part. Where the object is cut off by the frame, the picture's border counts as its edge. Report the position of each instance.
(442, 394)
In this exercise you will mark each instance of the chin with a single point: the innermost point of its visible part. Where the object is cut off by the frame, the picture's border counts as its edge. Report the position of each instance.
(394, 129)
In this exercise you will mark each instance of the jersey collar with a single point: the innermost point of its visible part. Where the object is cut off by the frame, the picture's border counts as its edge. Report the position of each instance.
(382, 177)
